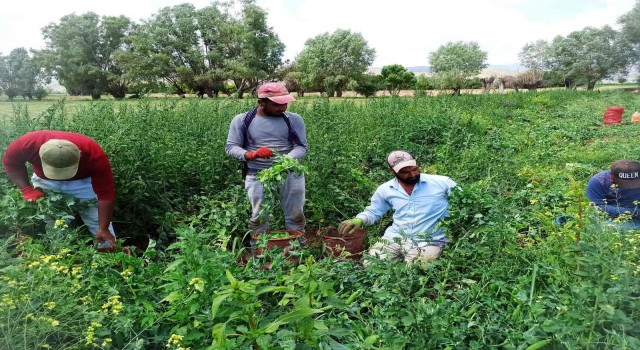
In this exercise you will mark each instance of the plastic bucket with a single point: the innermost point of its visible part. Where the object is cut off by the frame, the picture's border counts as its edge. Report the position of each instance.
(350, 246)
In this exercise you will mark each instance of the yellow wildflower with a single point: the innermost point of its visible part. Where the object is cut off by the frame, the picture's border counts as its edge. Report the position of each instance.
(50, 305)
(91, 334)
(60, 224)
(75, 271)
(33, 264)
(7, 303)
(127, 273)
(106, 342)
(113, 304)
(175, 339)
(197, 284)
(64, 251)
(614, 277)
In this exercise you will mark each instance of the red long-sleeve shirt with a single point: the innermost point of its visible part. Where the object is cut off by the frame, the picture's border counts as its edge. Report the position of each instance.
(93, 161)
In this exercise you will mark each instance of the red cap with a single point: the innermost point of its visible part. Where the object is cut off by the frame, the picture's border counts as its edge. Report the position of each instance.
(275, 92)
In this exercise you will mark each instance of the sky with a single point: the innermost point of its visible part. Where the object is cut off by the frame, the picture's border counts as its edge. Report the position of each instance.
(401, 31)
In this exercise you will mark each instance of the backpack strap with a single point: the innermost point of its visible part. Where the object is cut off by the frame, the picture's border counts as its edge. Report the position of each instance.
(293, 135)
(248, 118)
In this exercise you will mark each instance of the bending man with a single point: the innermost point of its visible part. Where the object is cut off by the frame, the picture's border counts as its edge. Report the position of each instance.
(69, 163)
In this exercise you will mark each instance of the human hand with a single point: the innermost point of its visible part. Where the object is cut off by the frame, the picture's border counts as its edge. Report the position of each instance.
(106, 241)
(350, 226)
(30, 194)
(262, 152)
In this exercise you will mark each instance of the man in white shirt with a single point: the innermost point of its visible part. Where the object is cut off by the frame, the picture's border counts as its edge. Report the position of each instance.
(419, 202)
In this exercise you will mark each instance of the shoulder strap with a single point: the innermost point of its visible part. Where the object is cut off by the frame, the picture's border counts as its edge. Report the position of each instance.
(248, 118)
(293, 135)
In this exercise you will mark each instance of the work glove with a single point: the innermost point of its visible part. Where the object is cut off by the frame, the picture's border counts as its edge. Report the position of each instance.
(30, 194)
(262, 152)
(350, 226)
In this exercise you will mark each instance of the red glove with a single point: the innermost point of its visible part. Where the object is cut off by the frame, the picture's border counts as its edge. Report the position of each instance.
(30, 194)
(262, 152)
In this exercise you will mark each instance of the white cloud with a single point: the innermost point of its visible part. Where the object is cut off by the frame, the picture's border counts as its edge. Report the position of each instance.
(403, 31)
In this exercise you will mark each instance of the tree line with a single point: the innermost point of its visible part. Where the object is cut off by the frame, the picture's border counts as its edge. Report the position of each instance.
(228, 48)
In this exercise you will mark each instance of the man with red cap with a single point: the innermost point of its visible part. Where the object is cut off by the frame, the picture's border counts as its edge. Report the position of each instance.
(258, 135)
(616, 191)
(419, 201)
(69, 163)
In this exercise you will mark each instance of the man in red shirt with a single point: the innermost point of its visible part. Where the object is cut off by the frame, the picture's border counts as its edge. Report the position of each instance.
(70, 163)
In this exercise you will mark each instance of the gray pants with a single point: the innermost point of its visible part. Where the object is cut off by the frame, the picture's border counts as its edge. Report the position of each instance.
(292, 197)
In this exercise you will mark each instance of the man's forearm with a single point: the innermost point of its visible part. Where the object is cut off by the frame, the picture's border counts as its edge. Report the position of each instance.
(19, 179)
(105, 212)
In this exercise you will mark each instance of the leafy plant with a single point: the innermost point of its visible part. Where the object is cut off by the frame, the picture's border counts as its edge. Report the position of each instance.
(274, 177)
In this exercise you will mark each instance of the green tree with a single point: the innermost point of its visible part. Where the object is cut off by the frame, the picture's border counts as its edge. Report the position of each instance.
(395, 78)
(19, 74)
(329, 62)
(535, 55)
(79, 53)
(367, 85)
(199, 50)
(591, 54)
(258, 50)
(630, 22)
(167, 47)
(455, 62)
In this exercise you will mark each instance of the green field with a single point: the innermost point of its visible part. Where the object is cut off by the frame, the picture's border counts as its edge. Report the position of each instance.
(510, 279)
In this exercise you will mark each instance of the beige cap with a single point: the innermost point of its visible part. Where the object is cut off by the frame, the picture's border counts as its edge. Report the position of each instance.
(400, 159)
(60, 159)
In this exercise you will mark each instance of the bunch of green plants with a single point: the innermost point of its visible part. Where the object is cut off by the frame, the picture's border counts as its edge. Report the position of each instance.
(273, 178)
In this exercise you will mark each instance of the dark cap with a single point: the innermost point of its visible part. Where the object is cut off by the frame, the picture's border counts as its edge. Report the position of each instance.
(626, 173)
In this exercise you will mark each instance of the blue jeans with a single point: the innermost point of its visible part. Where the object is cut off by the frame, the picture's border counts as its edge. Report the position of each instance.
(82, 191)
(292, 197)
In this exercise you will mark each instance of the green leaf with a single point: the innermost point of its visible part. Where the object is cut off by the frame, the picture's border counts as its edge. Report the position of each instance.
(270, 289)
(173, 297)
(230, 277)
(293, 316)
(370, 340)
(172, 266)
(216, 303)
(608, 309)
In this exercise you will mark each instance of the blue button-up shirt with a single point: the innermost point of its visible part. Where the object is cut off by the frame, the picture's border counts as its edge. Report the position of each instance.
(415, 216)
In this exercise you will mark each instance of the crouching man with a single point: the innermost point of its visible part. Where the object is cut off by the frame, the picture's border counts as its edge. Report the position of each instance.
(419, 202)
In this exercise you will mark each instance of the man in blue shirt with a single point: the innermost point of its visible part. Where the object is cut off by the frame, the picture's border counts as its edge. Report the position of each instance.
(617, 192)
(419, 202)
